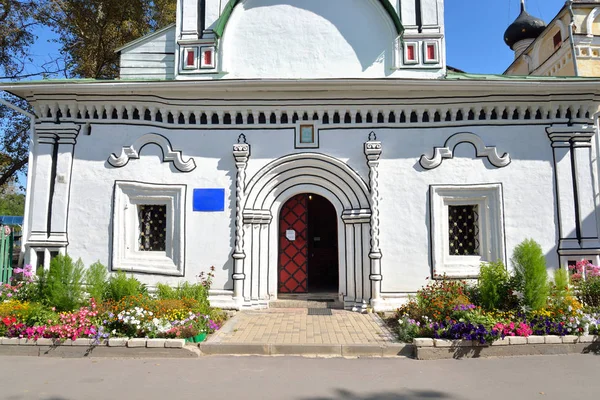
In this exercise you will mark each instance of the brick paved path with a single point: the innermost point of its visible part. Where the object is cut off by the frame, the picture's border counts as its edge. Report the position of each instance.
(294, 326)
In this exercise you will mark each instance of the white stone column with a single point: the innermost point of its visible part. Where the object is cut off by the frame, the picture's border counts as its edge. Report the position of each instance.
(66, 140)
(356, 224)
(241, 153)
(256, 225)
(373, 150)
(42, 172)
(578, 229)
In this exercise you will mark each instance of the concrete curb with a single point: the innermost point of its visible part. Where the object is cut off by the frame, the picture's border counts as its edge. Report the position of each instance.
(115, 348)
(324, 350)
(437, 349)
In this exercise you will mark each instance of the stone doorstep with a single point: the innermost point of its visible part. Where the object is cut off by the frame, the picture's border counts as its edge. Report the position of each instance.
(326, 350)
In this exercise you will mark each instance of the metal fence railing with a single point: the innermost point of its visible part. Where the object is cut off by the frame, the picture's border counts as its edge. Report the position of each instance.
(6, 253)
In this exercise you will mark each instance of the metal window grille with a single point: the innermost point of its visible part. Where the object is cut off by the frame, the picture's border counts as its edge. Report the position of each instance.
(463, 222)
(153, 227)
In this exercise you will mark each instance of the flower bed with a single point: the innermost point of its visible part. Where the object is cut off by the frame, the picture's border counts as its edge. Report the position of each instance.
(41, 307)
(502, 304)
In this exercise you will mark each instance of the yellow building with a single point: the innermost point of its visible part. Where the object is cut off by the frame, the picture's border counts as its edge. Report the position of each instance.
(568, 46)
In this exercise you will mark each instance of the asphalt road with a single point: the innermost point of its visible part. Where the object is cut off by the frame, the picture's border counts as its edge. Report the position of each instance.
(540, 377)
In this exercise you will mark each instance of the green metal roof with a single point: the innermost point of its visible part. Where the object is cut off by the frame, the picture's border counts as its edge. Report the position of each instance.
(499, 77)
(224, 18)
(451, 76)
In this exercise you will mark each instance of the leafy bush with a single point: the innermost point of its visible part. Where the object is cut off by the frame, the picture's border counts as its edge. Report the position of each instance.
(120, 285)
(438, 299)
(408, 329)
(14, 308)
(96, 278)
(531, 276)
(61, 286)
(493, 285)
(588, 291)
(37, 315)
(198, 291)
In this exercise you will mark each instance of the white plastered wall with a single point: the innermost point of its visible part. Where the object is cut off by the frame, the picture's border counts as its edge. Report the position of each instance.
(528, 187)
(308, 39)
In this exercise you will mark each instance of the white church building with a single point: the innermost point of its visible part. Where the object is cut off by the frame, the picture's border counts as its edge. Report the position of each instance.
(308, 146)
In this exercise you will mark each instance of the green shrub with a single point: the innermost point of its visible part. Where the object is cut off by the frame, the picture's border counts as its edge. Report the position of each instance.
(493, 285)
(38, 315)
(531, 276)
(186, 290)
(560, 287)
(96, 278)
(438, 299)
(120, 285)
(166, 292)
(408, 329)
(62, 285)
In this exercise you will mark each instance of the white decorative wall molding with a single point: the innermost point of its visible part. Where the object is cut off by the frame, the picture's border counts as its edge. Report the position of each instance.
(128, 196)
(51, 176)
(241, 153)
(572, 148)
(169, 155)
(447, 152)
(489, 199)
(589, 23)
(373, 150)
(190, 114)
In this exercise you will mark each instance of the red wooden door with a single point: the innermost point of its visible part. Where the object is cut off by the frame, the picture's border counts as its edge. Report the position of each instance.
(293, 246)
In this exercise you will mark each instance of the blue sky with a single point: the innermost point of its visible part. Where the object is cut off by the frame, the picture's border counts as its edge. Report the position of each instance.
(475, 30)
(474, 33)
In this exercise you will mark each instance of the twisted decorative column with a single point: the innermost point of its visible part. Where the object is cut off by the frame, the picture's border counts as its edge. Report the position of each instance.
(241, 153)
(373, 150)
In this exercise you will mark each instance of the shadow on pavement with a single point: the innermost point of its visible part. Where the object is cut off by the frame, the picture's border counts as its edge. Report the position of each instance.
(343, 394)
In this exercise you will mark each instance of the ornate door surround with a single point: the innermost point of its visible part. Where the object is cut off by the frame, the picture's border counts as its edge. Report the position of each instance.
(356, 205)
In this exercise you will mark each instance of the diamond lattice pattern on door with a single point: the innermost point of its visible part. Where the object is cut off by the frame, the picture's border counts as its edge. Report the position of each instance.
(293, 254)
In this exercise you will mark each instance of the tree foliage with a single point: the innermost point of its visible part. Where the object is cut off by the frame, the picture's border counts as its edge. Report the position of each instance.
(16, 23)
(14, 141)
(12, 204)
(90, 30)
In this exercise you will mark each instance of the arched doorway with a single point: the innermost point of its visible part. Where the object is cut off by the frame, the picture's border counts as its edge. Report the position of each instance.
(256, 280)
(308, 246)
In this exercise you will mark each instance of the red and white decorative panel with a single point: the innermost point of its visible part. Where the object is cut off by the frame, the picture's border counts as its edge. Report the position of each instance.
(431, 53)
(411, 53)
(190, 58)
(207, 57)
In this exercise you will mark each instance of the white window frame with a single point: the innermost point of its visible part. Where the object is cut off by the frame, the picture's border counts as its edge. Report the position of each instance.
(489, 199)
(298, 134)
(126, 254)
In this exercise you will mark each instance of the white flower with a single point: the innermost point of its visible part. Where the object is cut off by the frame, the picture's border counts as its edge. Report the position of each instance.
(518, 295)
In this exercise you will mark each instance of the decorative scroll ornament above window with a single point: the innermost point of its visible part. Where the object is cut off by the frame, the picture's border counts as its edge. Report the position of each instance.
(447, 152)
(169, 155)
